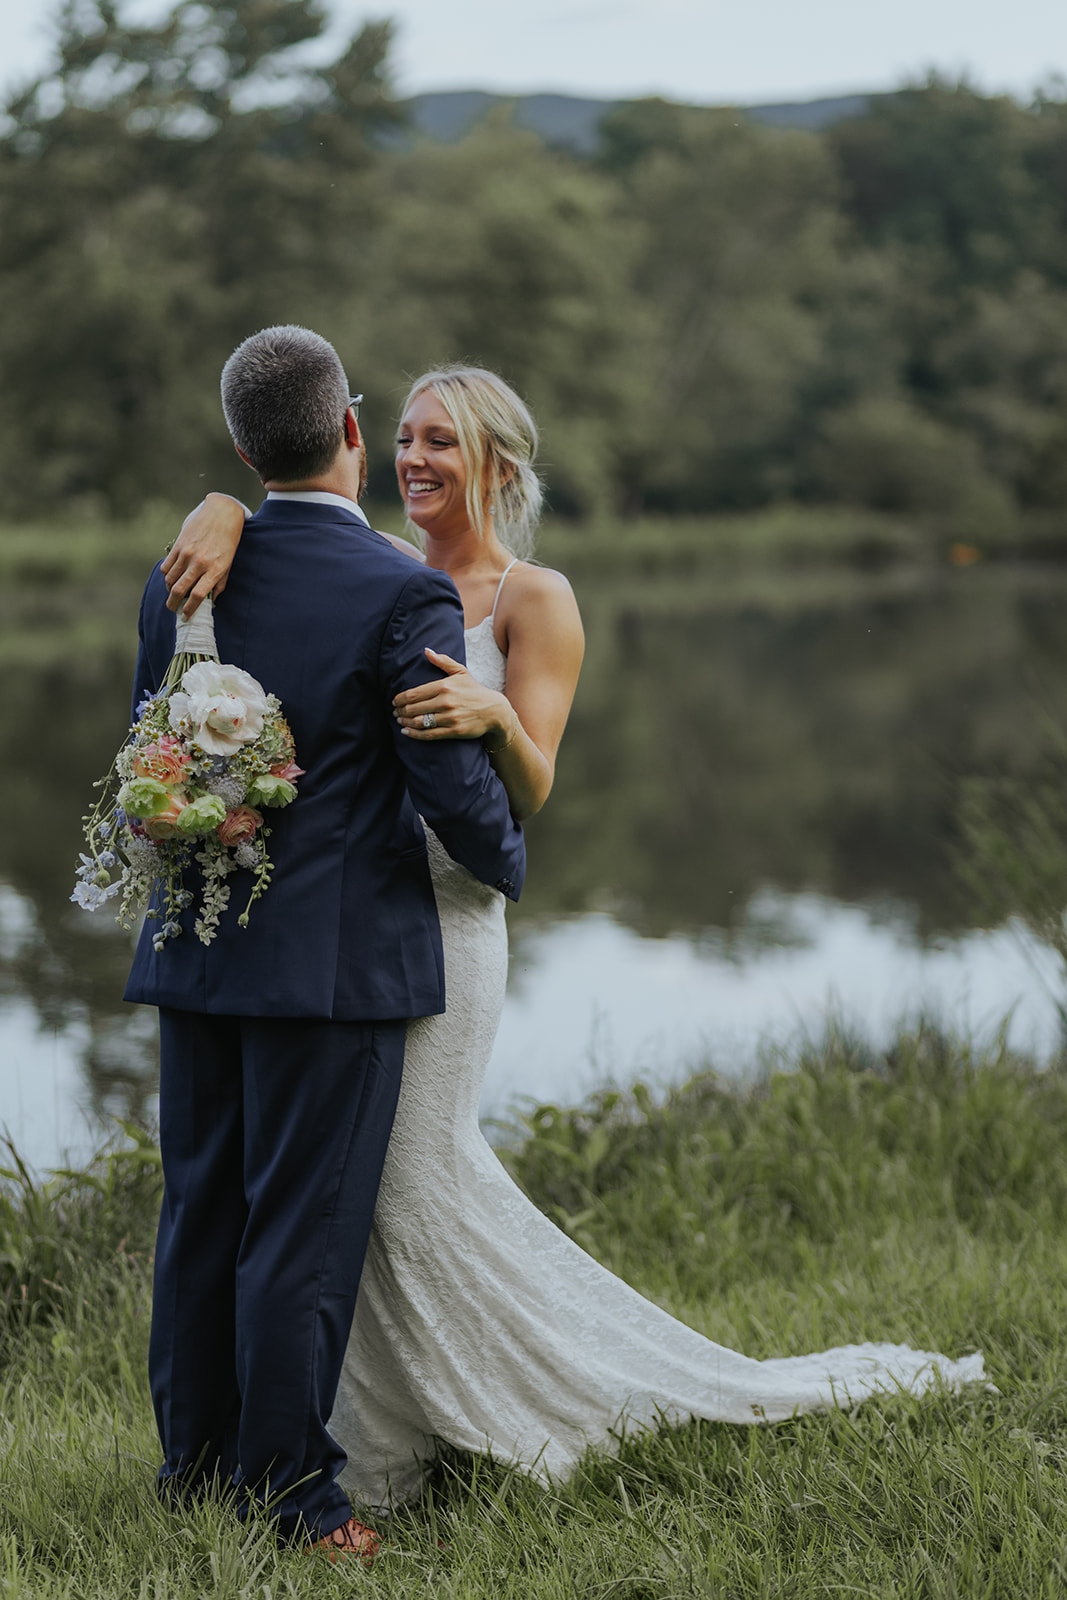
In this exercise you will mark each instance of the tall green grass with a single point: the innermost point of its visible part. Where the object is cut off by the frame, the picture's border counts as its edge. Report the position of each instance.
(74, 1231)
(917, 1194)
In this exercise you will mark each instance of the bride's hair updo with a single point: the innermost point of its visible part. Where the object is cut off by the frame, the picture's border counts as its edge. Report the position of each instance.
(498, 442)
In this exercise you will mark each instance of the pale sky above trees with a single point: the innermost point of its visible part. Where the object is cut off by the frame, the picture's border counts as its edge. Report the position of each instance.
(704, 51)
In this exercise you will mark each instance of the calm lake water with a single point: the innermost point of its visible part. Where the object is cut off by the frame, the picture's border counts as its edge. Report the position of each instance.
(752, 826)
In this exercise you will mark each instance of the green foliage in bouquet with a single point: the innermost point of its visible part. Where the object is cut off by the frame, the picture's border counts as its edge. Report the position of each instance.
(208, 750)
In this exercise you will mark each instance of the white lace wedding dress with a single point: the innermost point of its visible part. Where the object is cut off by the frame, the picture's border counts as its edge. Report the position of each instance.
(481, 1324)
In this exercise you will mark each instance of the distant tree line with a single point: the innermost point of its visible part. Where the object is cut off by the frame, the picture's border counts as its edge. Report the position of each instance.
(708, 314)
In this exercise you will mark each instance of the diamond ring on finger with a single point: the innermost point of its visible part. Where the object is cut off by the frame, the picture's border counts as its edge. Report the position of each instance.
(429, 720)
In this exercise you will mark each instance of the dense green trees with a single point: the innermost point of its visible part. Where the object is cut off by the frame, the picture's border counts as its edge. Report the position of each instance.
(738, 265)
(499, 252)
(967, 197)
(709, 314)
(152, 211)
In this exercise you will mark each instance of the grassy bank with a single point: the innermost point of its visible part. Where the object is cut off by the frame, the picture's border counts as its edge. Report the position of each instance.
(72, 589)
(57, 553)
(918, 1195)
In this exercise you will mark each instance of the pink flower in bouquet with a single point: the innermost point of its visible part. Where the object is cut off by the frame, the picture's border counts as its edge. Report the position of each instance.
(165, 824)
(165, 761)
(287, 770)
(239, 824)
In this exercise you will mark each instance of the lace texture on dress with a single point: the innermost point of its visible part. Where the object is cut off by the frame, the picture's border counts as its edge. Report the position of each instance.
(479, 1322)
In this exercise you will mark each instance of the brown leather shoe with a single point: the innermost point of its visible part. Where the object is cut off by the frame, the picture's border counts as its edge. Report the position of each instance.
(350, 1539)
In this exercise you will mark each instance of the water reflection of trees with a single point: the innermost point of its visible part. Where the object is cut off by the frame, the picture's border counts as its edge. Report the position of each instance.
(719, 744)
(800, 733)
(61, 720)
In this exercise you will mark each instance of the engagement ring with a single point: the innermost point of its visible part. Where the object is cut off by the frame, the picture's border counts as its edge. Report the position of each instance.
(429, 720)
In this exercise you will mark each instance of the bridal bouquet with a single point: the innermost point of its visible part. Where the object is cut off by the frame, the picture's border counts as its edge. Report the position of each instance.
(209, 751)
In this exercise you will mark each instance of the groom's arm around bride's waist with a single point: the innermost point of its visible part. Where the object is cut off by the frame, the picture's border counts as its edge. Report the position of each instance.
(451, 781)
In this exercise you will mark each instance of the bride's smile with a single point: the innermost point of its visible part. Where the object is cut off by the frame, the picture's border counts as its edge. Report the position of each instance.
(430, 469)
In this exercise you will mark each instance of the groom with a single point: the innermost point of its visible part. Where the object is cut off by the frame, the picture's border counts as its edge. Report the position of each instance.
(282, 1042)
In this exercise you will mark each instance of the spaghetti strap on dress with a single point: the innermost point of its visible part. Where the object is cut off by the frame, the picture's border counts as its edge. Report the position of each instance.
(500, 585)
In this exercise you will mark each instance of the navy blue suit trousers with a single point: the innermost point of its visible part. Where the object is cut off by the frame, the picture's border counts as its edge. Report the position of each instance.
(273, 1133)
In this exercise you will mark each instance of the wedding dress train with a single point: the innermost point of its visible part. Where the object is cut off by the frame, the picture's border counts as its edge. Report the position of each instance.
(479, 1322)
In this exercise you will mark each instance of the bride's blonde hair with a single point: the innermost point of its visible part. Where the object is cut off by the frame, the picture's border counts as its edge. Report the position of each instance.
(497, 439)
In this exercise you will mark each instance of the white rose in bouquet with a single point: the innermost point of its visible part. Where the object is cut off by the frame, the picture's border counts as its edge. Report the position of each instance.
(164, 807)
(220, 706)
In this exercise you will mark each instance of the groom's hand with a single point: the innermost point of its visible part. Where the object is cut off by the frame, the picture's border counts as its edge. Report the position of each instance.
(460, 707)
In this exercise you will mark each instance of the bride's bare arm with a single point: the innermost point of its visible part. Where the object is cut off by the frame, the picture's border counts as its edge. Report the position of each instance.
(522, 728)
(200, 560)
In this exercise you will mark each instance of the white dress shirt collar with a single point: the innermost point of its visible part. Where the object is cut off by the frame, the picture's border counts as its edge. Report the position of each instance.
(318, 497)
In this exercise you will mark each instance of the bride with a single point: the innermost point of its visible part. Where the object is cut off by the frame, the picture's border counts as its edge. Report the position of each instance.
(478, 1322)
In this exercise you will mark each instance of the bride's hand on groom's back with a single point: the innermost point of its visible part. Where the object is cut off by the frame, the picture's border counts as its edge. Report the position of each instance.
(460, 706)
(201, 557)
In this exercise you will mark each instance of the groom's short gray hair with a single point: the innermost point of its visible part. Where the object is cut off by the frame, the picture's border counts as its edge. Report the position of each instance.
(284, 395)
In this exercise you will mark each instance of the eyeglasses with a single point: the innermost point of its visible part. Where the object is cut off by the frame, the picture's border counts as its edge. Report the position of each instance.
(354, 403)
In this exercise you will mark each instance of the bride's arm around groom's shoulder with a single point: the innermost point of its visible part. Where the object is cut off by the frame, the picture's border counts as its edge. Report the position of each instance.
(198, 564)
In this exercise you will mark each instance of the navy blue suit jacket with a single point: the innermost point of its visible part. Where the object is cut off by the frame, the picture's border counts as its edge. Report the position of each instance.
(333, 619)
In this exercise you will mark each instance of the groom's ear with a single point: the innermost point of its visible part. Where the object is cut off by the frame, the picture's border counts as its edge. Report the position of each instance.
(352, 433)
(248, 463)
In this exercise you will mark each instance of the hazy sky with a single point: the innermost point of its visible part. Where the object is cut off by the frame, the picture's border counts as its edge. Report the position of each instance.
(706, 51)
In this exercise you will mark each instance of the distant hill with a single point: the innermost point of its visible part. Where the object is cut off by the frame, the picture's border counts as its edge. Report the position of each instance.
(569, 121)
(811, 114)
